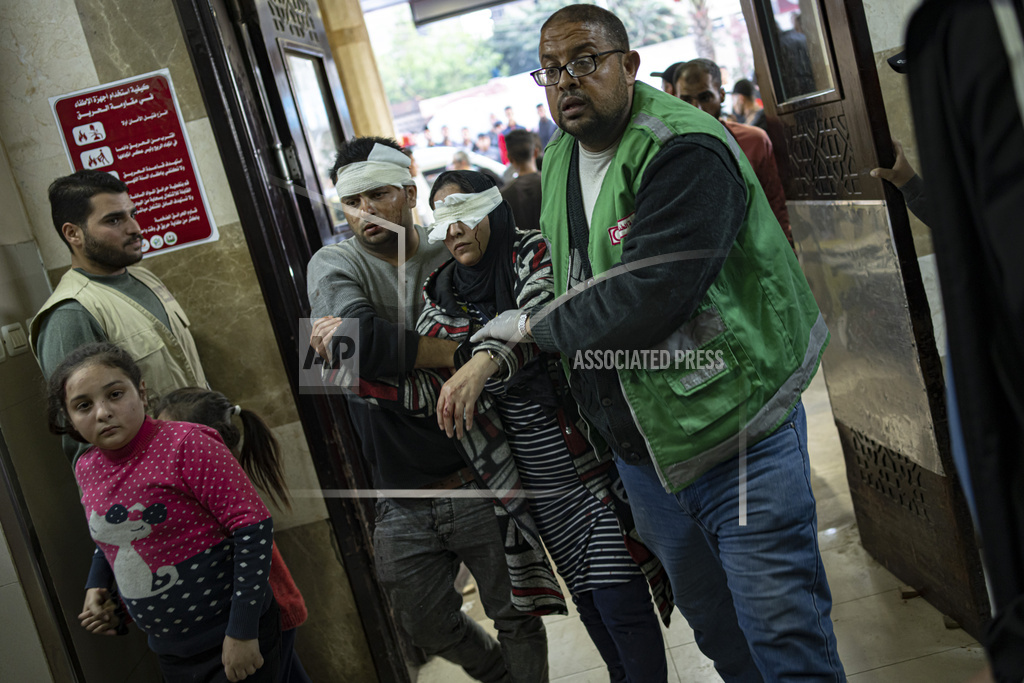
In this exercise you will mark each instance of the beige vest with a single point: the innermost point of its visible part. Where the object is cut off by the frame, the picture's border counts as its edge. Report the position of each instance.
(167, 358)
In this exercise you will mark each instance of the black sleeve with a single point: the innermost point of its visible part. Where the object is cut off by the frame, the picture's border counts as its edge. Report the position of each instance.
(380, 344)
(689, 209)
(916, 196)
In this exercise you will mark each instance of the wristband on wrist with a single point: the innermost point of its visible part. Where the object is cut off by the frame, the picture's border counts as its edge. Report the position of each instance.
(522, 324)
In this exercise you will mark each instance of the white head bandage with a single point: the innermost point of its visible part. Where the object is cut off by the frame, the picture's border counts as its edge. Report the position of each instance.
(468, 208)
(384, 166)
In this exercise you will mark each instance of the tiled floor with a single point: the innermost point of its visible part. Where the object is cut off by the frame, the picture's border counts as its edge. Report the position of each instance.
(882, 638)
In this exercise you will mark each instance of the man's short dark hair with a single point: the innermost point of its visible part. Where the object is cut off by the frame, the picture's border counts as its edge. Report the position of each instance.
(520, 144)
(611, 26)
(743, 87)
(704, 66)
(71, 197)
(358, 149)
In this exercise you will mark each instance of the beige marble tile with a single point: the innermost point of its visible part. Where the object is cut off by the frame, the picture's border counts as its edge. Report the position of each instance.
(299, 474)
(211, 170)
(127, 38)
(957, 664)
(8, 574)
(20, 648)
(33, 178)
(440, 670)
(570, 649)
(217, 287)
(880, 630)
(34, 70)
(692, 666)
(598, 675)
(14, 225)
(852, 573)
(678, 633)
(887, 21)
(331, 643)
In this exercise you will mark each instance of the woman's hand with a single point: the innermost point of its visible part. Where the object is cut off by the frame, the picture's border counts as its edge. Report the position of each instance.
(241, 658)
(457, 402)
(98, 613)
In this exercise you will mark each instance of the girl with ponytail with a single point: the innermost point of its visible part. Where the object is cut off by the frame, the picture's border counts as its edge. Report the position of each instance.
(258, 452)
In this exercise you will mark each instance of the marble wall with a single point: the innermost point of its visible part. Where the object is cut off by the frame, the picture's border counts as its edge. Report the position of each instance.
(52, 47)
(887, 24)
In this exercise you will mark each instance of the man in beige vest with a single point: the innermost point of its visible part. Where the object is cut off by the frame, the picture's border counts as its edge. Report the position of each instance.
(101, 298)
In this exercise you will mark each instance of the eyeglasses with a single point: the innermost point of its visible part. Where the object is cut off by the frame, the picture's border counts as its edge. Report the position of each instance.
(581, 66)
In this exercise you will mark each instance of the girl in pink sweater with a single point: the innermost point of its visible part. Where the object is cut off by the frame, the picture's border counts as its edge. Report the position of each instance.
(176, 522)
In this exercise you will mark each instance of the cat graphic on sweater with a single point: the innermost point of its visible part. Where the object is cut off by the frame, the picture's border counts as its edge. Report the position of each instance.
(134, 578)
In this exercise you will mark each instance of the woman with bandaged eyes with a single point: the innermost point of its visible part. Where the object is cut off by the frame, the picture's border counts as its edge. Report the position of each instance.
(512, 399)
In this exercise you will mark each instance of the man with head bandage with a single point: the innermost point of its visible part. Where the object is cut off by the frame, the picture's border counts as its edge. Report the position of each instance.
(377, 278)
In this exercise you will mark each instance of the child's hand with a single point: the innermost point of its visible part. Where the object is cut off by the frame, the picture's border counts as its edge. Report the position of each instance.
(241, 658)
(98, 613)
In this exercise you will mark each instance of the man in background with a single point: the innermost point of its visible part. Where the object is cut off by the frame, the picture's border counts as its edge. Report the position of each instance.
(668, 78)
(461, 162)
(744, 104)
(523, 193)
(105, 297)
(699, 82)
(545, 126)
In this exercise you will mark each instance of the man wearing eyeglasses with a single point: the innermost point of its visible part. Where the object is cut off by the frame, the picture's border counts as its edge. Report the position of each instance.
(663, 242)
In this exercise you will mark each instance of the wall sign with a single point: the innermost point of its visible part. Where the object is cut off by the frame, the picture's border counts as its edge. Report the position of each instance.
(133, 129)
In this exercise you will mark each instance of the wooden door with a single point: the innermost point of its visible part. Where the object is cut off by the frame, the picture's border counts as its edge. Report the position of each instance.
(820, 88)
(278, 114)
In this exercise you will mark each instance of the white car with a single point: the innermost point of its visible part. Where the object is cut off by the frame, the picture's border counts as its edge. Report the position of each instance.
(433, 160)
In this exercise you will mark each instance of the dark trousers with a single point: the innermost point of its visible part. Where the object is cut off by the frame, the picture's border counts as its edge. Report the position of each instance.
(291, 668)
(207, 667)
(624, 626)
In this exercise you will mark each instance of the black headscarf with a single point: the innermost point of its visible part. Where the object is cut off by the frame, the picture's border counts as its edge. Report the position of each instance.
(487, 283)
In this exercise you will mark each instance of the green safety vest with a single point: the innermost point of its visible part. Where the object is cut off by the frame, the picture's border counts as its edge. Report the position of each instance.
(758, 328)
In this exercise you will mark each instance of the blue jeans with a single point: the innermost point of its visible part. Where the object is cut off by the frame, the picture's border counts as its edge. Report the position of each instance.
(768, 571)
(621, 621)
(418, 546)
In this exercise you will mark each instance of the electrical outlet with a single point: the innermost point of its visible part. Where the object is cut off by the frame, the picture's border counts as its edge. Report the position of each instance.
(15, 339)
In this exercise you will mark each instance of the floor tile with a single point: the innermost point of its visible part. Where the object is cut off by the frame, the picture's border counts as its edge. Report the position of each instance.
(599, 675)
(957, 664)
(570, 649)
(20, 648)
(852, 573)
(679, 633)
(883, 629)
(692, 666)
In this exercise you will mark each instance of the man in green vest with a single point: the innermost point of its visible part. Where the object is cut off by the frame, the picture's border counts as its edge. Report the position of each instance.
(102, 298)
(689, 334)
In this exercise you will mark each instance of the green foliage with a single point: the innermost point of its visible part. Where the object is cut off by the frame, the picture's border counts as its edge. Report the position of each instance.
(517, 27)
(438, 59)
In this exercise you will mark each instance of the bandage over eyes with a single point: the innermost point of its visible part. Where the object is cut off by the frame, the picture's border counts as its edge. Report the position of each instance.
(384, 166)
(466, 208)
